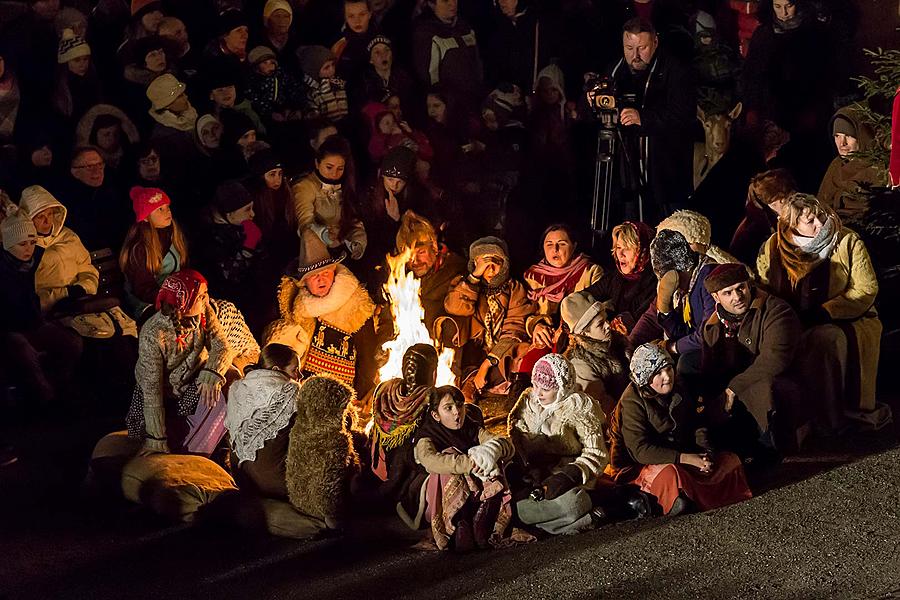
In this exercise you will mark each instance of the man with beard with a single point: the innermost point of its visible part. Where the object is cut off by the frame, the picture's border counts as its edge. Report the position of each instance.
(656, 125)
(748, 345)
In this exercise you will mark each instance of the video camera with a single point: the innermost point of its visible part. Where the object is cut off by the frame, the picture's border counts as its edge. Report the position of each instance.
(605, 103)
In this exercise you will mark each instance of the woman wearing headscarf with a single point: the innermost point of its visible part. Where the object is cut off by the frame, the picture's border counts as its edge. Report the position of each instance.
(183, 355)
(653, 442)
(823, 269)
(631, 286)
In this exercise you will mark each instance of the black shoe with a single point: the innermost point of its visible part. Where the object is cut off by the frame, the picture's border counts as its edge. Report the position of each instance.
(681, 506)
(639, 505)
(8, 456)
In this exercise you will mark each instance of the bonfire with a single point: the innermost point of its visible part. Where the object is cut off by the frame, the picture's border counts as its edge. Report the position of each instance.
(402, 288)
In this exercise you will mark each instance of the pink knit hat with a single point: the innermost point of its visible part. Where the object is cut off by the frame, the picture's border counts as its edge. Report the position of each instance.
(145, 200)
(543, 376)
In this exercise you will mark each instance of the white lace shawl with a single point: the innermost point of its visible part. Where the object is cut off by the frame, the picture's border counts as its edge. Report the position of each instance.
(259, 406)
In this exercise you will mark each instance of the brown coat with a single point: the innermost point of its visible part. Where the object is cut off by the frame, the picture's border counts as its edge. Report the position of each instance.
(771, 332)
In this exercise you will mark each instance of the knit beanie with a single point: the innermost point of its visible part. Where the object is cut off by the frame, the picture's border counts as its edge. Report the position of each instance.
(670, 251)
(553, 372)
(378, 39)
(141, 7)
(724, 276)
(230, 20)
(145, 200)
(273, 5)
(263, 161)
(842, 124)
(15, 229)
(312, 58)
(231, 196)
(71, 46)
(234, 125)
(579, 309)
(646, 362)
(164, 90)
(399, 162)
(490, 245)
(259, 54)
(70, 18)
(695, 228)
(220, 72)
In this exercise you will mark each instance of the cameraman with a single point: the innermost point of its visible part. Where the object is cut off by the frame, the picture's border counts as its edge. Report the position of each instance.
(657, 111)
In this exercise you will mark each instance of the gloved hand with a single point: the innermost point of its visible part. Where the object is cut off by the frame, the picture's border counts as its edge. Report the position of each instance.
(486, 456)
(252, 234)
(559, 483)
(76, 291)
(665, 291)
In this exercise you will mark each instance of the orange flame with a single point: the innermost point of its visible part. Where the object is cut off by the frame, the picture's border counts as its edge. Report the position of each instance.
(402, 288)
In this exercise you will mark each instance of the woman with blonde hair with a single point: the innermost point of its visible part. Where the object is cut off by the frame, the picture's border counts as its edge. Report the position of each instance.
(823, 269)
(154, 248)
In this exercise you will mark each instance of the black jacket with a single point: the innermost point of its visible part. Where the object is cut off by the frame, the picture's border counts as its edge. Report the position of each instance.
(20, 309)
(668, 112)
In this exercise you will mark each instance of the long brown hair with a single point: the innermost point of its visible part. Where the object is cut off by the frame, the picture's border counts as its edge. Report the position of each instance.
(797, 263)
(145, 235)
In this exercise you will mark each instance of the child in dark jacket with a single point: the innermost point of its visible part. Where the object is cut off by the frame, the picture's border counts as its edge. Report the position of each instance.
(275, 94)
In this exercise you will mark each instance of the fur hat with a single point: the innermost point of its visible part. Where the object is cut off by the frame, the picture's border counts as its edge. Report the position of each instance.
(415, 230)
(145, 200)
(670, 251)
(695, 228)
(399, 162)
(231, 196)
(141, 7)
(378, 39)
(553, 372)
(259, 54)
(646, 361)
(490, 245)
(145, 46)
(724, 276)
(15, 229)
(312, 58)
(314, 256)
(579, 309)
(229, 20)
(234, 125)
(220, 72)
(163, 91)
(273, 5)
(71, 46)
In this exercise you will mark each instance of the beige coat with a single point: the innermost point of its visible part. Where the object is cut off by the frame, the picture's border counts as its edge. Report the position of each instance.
(66, 261)
(318, 206)
(570, 434)
(852, 288)
(456, 464)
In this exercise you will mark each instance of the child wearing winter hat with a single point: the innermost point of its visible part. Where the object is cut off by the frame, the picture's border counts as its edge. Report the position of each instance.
(597, 352)
(326, 92)
(275, 94)
(77, 86)
(154, 248)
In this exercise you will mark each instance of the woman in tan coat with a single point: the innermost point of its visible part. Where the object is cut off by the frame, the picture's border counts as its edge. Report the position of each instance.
(823, 269)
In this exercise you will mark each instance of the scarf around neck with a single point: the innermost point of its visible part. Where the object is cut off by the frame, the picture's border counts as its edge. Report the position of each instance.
(730, 321)
(396, 415)
(183, 122)
(799, 255)
(556, 282)
(462, 439)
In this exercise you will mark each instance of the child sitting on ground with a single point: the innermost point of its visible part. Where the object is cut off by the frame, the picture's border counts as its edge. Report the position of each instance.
(468, 500)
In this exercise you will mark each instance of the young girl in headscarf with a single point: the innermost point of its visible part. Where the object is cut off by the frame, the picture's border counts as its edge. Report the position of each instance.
(468, 503)
(183, 355)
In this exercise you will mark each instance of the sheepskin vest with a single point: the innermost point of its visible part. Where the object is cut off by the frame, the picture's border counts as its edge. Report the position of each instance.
(321, 330)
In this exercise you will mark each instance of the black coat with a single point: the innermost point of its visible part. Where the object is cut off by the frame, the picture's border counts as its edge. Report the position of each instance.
(668, 112)
(100, 216)
(20, 309)
(630, 298)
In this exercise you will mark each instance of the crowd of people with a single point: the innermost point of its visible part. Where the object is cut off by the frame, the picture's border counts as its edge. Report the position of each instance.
(199, 200)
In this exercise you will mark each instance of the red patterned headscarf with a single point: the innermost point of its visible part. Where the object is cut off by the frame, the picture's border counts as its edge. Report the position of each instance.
(180, 289)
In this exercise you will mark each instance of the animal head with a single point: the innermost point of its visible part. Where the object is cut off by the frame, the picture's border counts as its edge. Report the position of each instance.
(323, 401)
(717, 130)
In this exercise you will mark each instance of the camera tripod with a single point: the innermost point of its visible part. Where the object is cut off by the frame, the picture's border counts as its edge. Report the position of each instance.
(609, 136)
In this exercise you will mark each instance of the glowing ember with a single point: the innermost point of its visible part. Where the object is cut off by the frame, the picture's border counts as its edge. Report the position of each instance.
(402, 288)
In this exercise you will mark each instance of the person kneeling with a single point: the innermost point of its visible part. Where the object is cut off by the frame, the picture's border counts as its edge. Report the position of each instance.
(653, 442)
(468, 500)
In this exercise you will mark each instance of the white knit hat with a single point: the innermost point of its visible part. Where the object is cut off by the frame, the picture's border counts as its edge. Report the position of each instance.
(646, 361)
(71, 47)
(17, 228)
(695, 228)
(163, 91)
(273, 5)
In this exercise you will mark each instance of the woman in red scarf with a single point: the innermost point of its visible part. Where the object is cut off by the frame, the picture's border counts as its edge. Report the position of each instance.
(632, 286)
(560, 273)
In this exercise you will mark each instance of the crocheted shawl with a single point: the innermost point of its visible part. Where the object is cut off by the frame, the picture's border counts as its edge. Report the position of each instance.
(259, 406)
